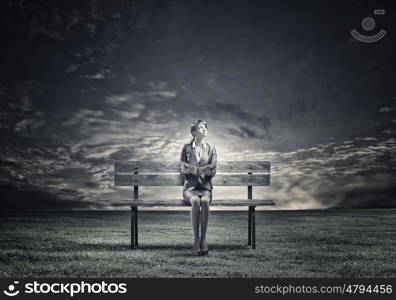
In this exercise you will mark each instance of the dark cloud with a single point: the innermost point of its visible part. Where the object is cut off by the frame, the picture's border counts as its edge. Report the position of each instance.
(244, 132)
(235, 113)
(122, 154)
(369, 197)
(361, 192)
(71, 173)
(35, 198)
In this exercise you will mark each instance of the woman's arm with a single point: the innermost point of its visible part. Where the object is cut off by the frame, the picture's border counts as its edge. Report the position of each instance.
(183, 159)
(211, 171)
(184, 168)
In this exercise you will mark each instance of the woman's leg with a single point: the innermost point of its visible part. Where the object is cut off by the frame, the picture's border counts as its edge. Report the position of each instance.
(205, 202)
(190, 197)
(195, 216)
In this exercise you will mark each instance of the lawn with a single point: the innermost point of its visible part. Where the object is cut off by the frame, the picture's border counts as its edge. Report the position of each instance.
(320, 243)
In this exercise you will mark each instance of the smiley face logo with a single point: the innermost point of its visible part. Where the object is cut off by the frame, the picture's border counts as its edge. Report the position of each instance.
(368, 24)
(11, 290)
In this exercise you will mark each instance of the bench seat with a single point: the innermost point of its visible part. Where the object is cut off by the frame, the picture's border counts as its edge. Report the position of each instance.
(179, 202)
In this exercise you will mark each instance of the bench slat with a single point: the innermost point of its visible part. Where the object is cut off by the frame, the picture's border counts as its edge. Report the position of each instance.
(151, 203)
(177, 180)
(173, 167)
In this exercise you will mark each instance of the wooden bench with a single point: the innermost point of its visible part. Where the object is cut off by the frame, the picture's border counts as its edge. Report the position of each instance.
(156, 173)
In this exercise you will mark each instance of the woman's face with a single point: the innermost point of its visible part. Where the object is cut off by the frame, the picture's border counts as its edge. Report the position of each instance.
(200, 131)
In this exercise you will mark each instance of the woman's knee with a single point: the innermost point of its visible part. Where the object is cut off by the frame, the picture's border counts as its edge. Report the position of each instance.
(195, 201)
(205, 200)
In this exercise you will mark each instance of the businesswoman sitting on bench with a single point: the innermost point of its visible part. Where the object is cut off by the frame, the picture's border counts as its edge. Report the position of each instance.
(198, 166)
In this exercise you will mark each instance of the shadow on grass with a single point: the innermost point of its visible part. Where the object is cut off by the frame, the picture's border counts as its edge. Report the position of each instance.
(151, 247)
(189, 247)
(98, 247)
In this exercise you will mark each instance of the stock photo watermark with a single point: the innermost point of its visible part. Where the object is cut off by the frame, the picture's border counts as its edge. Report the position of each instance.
(368, 24)
(70, 289)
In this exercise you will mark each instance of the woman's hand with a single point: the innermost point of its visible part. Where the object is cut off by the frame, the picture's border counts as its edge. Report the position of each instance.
(189, 170)
(208, 172)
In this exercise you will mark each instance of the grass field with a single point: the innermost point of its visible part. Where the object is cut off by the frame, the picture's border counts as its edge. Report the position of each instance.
(325, 243)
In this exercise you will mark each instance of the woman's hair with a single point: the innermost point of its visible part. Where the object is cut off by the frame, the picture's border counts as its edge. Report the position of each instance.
(194, 126)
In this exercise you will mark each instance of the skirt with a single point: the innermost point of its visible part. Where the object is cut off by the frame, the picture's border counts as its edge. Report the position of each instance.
(187, 194)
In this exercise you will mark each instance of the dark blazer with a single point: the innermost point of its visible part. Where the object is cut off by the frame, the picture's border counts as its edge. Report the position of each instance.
(209, 156)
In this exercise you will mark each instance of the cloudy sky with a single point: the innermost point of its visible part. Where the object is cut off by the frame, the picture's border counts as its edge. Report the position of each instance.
(85, 83)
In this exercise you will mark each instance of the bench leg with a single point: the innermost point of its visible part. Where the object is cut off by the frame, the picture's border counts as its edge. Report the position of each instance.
(253, 227)
(249, 226)
(134, 227)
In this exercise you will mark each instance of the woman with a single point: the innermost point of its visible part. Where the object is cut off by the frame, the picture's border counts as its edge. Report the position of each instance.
(198, 166)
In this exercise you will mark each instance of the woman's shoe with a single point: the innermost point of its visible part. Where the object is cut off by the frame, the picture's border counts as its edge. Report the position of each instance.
(204, 247)
(196, 248)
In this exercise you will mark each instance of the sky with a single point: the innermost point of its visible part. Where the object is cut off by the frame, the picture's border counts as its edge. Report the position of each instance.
(86, 83)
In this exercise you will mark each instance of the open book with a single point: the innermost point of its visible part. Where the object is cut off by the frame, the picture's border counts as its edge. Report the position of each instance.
(198, 170)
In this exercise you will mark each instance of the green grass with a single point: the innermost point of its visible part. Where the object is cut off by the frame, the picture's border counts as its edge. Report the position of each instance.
(327, 243)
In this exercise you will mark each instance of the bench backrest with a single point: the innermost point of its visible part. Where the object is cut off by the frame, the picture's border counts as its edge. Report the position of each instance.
(159, 173)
